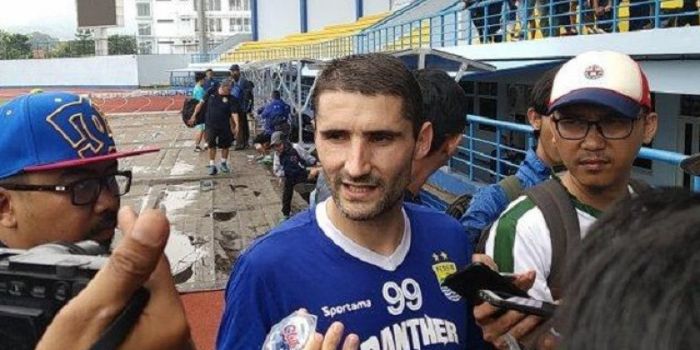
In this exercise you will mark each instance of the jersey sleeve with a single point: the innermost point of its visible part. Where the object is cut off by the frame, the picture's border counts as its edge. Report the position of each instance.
(519, 242)
(247, 312)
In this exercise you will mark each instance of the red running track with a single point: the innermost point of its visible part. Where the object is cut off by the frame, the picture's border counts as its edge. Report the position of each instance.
(108, 105)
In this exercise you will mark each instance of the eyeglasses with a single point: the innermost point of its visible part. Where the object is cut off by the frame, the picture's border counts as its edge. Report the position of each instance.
(84, 191)
(615, 128)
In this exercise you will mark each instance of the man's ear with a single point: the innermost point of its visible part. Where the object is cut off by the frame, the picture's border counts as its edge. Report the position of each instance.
(651, 124)
(8, 218)
(451, 144)
(534, 118)
(425, 138)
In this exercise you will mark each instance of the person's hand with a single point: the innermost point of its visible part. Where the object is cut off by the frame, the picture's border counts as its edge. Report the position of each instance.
(313, 173)
(331, 340)
(191, 121)
(486, 260)
(137, 260)
(599, 10)
(608, 7)
(501, 328)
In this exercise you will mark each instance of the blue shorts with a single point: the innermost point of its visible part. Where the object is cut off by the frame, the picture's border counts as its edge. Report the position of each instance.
(199, 127)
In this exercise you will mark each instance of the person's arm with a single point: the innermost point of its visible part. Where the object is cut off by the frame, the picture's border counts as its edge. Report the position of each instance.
(137, 260)
(485, 207)
(277, 166)
(197, 108)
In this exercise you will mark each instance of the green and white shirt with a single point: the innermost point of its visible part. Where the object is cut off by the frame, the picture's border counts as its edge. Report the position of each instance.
(519, 241)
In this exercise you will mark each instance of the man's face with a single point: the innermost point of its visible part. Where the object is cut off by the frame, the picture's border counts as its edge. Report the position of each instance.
(235, 74)
(546, 137)
(41, 217)
(595, 161)
(366, 147)
(209, 74)
(224, 90)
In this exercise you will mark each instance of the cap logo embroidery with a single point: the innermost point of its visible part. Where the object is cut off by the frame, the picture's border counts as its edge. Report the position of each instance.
(85, 134)
(594, 72)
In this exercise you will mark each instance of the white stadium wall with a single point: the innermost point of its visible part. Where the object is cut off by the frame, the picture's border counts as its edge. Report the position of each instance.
(84, 71)
(278, 18)
(322, 13)
(97, 71)
(154, 69)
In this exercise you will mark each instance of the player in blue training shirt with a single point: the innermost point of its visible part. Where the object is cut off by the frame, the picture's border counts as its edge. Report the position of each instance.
(362, 258)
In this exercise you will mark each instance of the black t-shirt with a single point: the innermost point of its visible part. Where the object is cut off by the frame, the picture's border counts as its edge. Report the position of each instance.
(219, 109)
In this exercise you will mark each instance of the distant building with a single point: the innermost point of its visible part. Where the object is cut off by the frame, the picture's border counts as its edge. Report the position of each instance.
(171, 26)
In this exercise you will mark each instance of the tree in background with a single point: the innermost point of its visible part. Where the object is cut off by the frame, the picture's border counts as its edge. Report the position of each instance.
(122, 45)
(14, 46)
(83, 45)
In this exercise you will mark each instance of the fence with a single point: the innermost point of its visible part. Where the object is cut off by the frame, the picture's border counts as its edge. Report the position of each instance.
(499, 20)
(471, 159)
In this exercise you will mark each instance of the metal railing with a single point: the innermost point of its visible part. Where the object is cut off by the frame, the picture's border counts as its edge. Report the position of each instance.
(504, 20)
(490, 21)
(475, 153)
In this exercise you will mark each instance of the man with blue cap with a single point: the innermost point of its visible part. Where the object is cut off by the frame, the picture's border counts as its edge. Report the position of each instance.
(59, 181)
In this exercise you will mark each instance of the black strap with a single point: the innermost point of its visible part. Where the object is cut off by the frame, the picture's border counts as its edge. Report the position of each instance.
(117, 331)
(512, 186)
(564, 231)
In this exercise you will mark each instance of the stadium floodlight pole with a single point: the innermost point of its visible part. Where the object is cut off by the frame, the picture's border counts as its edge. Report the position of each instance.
(202, 18)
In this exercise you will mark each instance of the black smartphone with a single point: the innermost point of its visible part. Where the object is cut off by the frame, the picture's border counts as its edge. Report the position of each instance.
(525, 305)
(477, 276)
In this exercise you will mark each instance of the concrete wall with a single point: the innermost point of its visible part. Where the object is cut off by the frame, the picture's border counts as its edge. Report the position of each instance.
(278, 18)
(322, 13)
(116, 71)
(153, 69)
(85, 71)
(372, 7)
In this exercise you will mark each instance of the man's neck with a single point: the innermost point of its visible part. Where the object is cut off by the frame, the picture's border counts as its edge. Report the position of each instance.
(598, 198)
(421, 171)
(542, 155)
(381, 234)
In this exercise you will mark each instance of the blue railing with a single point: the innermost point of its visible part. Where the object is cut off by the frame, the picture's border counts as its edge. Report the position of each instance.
(513, 20)
(475, 153)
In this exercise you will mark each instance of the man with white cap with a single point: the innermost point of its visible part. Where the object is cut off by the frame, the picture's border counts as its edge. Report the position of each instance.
(602, 112)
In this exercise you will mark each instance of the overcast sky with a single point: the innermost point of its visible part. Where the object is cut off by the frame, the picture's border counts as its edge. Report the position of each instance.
(54, 17)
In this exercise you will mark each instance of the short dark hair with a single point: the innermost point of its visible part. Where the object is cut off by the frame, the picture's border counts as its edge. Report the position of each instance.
(209, 70)
(539, 96)
(199, 76)
(635, 278)
(444, 105)
(276, 94)
(373, 74)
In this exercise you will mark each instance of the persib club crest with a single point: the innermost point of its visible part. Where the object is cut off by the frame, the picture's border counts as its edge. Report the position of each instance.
(443, 267)
(594, 72)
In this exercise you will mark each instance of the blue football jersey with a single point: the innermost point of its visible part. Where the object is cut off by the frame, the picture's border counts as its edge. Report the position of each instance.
(390, 302)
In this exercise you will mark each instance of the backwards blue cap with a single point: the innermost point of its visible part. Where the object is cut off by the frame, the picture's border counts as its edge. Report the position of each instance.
(54, 130)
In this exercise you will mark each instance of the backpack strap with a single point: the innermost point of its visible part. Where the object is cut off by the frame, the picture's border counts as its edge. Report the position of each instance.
(639, 186)
(512, 186)
(564, 231)
(513, 189)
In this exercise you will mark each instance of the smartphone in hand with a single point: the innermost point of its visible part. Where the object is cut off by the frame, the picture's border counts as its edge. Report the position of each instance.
(477, 276)
(525, 305)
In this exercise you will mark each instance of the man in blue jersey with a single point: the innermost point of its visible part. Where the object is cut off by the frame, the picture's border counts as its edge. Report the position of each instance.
(490, 201)
(362, 259)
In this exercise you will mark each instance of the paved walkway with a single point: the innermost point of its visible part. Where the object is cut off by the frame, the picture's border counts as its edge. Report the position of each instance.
(213, 218)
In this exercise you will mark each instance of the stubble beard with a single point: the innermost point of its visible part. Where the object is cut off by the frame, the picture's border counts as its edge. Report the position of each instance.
(392, 195)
